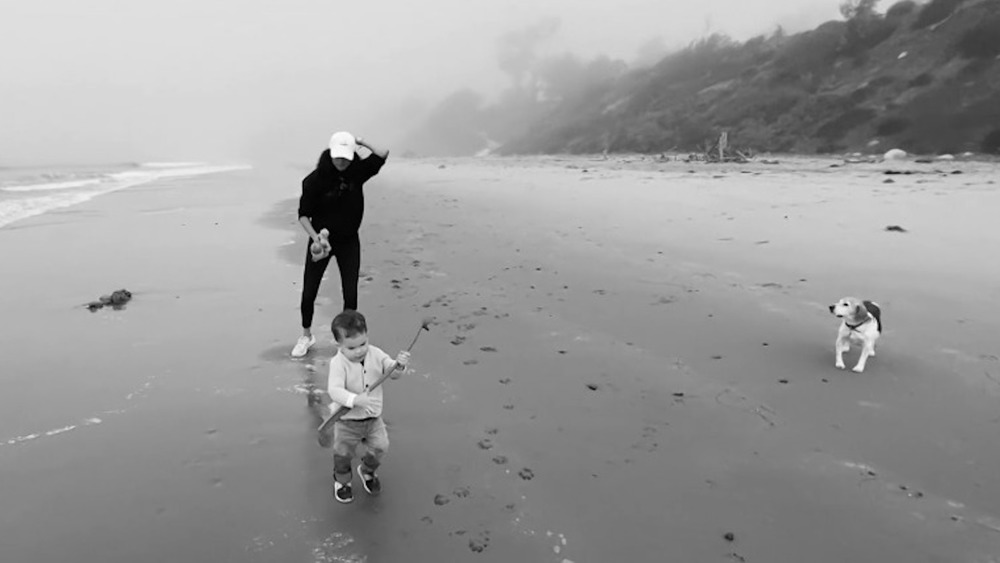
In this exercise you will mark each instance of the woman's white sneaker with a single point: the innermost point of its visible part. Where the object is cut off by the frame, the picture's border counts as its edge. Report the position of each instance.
(302, 346)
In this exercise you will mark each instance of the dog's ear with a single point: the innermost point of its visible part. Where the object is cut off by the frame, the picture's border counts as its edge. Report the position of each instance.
(860, 311)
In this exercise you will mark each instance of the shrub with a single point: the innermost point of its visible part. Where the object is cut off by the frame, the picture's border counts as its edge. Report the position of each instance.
(982, 41)
(811, 51)
(892, 125)
(901, 9)
(881, 81)
(974, 68)
(991, 143)
(837, 127)
(934, 12)
(922, 79)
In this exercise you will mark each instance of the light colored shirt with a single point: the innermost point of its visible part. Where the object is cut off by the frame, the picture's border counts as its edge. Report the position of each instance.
(349, 379)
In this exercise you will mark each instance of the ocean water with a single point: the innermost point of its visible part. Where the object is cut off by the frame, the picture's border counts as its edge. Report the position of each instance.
(29, 191)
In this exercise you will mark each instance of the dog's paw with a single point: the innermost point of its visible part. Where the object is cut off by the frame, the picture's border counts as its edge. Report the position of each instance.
(840, 365)
(858, 369)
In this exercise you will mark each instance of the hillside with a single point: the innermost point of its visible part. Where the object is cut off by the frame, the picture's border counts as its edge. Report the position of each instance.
(925, 78)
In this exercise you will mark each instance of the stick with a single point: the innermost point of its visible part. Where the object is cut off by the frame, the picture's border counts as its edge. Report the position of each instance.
(340, 412)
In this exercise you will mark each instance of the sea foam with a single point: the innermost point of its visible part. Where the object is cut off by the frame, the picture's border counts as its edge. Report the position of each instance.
(34, 196)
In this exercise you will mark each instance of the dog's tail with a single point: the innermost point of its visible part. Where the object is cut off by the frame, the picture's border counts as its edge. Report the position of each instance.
(876, 312)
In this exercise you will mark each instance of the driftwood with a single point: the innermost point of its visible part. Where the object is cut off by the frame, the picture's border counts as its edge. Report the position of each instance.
(721, 151)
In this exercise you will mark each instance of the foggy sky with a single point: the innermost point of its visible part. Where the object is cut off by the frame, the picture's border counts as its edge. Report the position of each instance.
(245, 80)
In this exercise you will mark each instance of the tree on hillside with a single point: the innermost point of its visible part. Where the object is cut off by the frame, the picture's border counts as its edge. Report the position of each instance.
(517, 51)
(565, 77)
(858, 9)
(865, 27)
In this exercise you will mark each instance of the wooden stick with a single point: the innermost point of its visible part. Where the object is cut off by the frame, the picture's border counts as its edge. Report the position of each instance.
(340, 412)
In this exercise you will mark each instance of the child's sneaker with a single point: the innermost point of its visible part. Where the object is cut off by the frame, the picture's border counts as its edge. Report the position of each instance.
(342, 493)
(302, 346)
(369, 481)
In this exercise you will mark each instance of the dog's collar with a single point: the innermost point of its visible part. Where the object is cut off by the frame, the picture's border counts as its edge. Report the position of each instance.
(859, 325)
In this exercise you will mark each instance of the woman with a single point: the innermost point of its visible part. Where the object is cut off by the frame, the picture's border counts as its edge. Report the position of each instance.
(333, 199)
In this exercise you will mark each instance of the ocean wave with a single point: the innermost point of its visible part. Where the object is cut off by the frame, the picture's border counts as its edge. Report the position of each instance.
(81, 190)
(171, 164)
(52, 186)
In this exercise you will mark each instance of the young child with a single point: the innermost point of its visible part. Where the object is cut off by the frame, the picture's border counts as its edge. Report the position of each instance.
(352, 371)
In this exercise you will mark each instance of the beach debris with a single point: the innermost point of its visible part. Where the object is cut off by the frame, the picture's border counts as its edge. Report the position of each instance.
(722, 151)
(894, 154)
(895, 229)
(116, 300)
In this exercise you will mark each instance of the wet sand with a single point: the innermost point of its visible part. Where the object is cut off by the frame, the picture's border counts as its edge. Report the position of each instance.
(631, 361)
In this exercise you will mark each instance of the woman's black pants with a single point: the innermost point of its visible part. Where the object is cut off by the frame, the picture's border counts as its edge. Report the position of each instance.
(348, 255)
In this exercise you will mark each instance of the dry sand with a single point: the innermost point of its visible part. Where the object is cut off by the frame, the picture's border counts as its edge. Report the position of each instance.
(631, 360)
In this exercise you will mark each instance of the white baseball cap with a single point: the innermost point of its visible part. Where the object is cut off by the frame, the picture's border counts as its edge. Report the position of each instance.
(342, 145)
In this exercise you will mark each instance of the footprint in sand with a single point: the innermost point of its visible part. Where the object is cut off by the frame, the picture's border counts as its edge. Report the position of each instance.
(509, 407)
(492, 431)
(526, 474)
(500, 459)
(470, 362)
(441, 500)
(505, 381)
(485, 444)
(480, 544)
(488, 349)
(458, 340)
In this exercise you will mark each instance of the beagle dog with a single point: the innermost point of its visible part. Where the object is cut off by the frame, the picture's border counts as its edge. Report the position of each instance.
(861, 321)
